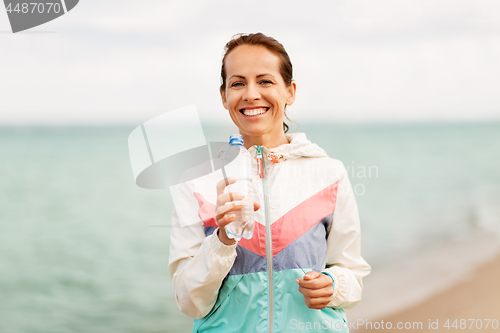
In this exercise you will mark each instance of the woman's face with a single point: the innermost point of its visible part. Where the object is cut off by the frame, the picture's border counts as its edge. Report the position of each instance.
(256, 94)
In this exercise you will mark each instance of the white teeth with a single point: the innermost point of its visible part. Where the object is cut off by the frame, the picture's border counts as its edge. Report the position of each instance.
(254, 112)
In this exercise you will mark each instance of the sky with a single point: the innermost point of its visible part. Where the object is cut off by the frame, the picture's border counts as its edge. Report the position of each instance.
(119, 62)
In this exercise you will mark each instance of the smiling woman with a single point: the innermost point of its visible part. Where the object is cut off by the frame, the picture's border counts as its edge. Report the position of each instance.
(255, 94)
(260, 54)
(303, 263)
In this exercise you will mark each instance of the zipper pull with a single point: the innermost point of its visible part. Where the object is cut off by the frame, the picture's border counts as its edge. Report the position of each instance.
(260, 165)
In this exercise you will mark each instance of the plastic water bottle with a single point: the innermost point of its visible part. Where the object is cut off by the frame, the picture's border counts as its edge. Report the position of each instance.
(238, 164)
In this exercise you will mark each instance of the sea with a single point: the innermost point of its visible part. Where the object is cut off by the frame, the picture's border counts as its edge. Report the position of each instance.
(84, 249)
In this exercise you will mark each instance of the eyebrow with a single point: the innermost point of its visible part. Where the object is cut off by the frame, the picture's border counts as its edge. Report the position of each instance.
(258, 76)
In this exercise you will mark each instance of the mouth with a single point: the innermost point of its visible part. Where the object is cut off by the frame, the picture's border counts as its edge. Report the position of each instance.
(249, 112)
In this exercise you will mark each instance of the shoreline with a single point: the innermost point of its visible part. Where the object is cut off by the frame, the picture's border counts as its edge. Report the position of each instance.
(401, 287)
(470, 306)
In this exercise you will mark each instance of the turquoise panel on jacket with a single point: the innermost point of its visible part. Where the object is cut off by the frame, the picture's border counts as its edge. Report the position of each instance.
(243, 306)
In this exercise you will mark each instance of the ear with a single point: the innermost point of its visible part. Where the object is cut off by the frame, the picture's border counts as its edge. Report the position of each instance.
(291, 93)
(223, 96)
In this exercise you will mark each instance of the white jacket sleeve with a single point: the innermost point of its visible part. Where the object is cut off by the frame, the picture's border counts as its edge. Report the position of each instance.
(343, 259)
(197, 264)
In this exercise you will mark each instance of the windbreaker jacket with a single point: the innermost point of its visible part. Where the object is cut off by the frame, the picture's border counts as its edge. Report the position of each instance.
(308, 220)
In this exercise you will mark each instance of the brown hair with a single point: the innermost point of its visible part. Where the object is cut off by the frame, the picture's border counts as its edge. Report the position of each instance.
(286, 69)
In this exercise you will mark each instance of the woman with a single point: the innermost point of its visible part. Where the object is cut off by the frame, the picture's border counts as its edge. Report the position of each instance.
(303, 264)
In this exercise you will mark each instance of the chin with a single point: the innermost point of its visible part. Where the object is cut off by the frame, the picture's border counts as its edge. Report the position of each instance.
(252, 132)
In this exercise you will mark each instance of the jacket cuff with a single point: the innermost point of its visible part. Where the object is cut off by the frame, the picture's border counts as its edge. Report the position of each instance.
(220, 248)
(336, 291)
(339, 287)
(333, 282)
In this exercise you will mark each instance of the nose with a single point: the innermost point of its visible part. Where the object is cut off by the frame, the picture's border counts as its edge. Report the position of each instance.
(251, 92)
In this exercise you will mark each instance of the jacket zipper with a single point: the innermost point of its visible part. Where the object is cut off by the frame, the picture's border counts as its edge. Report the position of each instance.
(261, 167)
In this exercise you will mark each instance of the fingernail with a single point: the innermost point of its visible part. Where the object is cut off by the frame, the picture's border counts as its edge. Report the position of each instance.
(297, 281)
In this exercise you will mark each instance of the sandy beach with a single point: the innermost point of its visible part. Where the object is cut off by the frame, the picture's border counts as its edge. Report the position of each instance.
(472, 303)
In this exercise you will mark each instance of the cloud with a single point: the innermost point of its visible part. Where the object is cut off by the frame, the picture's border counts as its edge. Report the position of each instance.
(123, 61)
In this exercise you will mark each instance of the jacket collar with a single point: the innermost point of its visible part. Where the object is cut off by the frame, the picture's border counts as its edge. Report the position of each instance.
(298, 146)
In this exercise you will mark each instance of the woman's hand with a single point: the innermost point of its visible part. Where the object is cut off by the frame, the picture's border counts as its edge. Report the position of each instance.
(317, 289)
(225, 206)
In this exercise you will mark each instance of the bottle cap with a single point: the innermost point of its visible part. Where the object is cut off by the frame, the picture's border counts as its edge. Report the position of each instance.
(236, 139)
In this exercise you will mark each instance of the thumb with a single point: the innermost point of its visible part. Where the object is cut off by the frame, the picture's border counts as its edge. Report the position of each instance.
(311, 275)
(256, 206)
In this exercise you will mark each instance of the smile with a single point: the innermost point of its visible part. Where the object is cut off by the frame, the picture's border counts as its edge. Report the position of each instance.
(254, 112)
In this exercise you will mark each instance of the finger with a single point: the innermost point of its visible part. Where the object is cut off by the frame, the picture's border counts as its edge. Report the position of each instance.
(317, 303)
(321, 281)
(225, 220)
(314, 284)
(229, 207)
(320, 300)
(311, 275)
(228, 197)
(223, 183)
(316, 293)
(256, 206)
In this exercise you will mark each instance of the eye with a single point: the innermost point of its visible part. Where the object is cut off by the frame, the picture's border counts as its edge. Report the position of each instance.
(236, 84)
(266, 82)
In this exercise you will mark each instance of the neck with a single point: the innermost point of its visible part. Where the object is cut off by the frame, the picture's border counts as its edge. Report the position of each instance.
(266, 140)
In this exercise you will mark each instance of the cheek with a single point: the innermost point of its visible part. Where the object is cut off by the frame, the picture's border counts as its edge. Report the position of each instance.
(279, 97)
(231, 100)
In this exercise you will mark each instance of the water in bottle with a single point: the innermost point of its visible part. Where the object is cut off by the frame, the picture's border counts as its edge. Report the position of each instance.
(238, 164)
